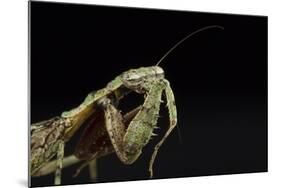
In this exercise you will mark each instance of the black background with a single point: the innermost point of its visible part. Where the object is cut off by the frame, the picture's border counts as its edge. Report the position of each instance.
(219, 78)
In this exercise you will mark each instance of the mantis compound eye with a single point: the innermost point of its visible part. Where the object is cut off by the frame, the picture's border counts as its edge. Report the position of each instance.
(132, 76)
(133, 80)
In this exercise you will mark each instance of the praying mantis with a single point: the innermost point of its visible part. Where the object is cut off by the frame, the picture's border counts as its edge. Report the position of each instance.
(108, 130)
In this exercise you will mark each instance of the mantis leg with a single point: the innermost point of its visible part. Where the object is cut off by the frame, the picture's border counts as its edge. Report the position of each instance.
(92, 161)
(51, 166)
(86, 163)
(173, 121)
(60, 155)
(116, 127)
(128, 143)
(93, 171)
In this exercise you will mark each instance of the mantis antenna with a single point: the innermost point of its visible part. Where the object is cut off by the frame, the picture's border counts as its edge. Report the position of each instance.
(188, 36)
(181, 41)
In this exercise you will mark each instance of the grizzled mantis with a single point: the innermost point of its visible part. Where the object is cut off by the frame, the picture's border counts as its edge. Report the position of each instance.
(125, 135)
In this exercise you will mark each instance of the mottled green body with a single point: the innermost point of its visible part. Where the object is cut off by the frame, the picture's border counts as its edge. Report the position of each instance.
(128, 134)
(128, 142)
